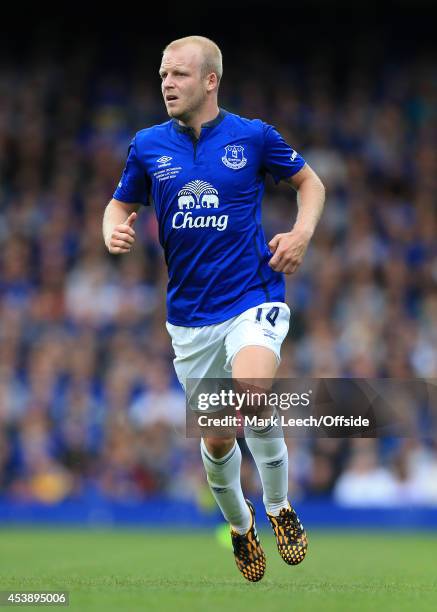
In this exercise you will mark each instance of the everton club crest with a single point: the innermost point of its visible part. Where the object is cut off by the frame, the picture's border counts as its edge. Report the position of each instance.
(234, 157)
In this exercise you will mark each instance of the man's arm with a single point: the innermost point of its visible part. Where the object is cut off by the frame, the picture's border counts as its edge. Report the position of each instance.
(118, 233)
(289, 249)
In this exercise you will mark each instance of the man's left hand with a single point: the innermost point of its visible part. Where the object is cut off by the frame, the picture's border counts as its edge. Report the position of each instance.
(288, 250)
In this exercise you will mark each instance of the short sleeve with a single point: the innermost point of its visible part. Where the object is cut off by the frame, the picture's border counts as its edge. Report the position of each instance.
(279, 159)
(134, 185)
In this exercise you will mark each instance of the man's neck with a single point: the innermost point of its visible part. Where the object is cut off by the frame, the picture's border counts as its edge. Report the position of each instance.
(200, 118)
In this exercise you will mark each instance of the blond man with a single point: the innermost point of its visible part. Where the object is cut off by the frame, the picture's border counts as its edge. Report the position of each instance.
(204, 169)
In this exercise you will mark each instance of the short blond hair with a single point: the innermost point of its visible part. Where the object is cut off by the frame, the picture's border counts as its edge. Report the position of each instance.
(212, 56)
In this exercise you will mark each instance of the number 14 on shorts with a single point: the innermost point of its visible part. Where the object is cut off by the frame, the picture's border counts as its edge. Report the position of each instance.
(271, 315)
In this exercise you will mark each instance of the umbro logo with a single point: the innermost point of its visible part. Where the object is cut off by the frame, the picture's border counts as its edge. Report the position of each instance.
(164, 159)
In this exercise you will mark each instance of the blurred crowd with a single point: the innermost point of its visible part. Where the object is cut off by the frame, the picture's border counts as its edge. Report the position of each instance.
(89, 403)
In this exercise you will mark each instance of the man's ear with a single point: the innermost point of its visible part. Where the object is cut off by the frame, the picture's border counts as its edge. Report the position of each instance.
(212, 81)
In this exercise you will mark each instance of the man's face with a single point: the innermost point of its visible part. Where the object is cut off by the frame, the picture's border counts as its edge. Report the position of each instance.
(183, 88)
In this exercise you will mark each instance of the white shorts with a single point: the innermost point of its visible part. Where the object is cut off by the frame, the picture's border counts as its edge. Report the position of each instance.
(208, 352)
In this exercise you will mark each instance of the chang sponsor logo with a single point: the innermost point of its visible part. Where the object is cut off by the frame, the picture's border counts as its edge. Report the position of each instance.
(197, 196)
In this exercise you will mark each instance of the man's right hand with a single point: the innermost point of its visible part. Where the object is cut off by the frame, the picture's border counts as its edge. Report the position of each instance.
(123, 236)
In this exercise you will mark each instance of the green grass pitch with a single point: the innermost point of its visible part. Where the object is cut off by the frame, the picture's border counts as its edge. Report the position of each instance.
(127, 570)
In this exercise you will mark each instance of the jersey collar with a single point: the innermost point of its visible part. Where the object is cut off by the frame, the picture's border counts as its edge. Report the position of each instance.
(209, 124)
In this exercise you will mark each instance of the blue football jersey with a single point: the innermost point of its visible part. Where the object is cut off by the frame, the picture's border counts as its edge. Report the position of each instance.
(207, 194)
